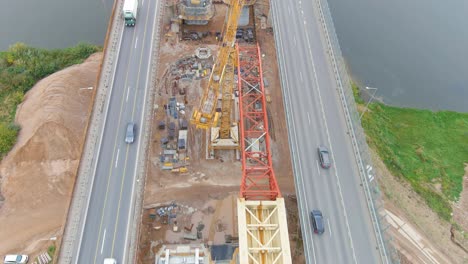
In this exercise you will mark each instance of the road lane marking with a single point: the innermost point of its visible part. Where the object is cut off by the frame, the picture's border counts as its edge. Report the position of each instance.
(294, 149)
(141, 132)
(117, 159)
(99, 148)
(318, 166)
(128, 92)
(103, 240)
(322, 108)
(329, 227)
(128, 147)
(308, 117)
(294, 39)
(300, 75)
(120, 198)
(136, 42)
(113, 155)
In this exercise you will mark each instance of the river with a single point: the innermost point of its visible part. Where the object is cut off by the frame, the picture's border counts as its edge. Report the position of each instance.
(415, 52)
(53, 23)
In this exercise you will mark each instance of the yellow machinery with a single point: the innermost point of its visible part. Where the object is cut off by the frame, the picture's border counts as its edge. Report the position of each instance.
(261, 212)
(224, 133)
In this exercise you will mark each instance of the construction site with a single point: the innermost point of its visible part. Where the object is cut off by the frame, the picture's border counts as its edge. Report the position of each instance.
(218, 178)
(217, 164)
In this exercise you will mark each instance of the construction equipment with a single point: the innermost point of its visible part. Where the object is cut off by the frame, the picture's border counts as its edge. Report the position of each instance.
(261, 212)
(224, 133)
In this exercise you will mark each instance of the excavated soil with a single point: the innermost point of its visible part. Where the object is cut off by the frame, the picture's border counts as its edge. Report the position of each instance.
(39, 172)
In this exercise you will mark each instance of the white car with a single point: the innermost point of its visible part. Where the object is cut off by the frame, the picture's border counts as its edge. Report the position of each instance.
(110, 261)
(16, 259)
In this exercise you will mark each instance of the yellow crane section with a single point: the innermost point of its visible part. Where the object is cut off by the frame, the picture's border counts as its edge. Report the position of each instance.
(206, 116)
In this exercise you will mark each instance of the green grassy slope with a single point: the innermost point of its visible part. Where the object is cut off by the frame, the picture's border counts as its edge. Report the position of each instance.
(426, 148)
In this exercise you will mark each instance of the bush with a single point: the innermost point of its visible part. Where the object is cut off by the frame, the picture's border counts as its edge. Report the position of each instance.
(21, 67)
(51, 250)
(357, 94)
(8, 134)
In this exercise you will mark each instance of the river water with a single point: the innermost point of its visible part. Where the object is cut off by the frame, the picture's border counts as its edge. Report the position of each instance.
(414, 51)
(53, 23)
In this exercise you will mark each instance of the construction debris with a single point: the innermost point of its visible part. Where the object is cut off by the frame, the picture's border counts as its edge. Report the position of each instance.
(43, 258)
(167, 210)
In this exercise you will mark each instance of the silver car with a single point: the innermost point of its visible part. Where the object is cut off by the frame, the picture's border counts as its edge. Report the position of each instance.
(130, 133)
(324, 157)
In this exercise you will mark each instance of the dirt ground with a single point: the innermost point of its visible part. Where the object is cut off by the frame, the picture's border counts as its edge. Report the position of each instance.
(427, 227)
(209, 187)
(460, 214)
(38, 174)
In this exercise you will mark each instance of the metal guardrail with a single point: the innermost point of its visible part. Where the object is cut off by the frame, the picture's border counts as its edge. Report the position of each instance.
(361, 150)
(143, 161)
(94, 126)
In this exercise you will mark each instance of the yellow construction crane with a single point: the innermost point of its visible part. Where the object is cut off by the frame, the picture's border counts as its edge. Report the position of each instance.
(261, 212)
(221, 84)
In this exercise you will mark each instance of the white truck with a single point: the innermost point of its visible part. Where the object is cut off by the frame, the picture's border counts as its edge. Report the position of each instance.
(129, 13)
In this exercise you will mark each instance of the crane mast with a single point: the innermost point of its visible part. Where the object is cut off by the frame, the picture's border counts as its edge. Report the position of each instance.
(221, 79)
(261, 211)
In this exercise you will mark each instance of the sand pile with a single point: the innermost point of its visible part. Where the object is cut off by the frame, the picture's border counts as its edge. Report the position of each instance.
(38, 174)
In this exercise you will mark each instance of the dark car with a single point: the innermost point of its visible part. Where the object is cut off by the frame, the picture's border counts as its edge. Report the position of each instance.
(317, 221)
(324, 157)
(130, 133)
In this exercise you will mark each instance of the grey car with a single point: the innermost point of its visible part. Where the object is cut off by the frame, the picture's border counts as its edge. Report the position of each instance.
(317, 221)
(130, 133)
(324, 157)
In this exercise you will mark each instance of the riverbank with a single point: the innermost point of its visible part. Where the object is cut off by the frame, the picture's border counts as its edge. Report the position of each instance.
(420, 158)
(21, 67)
(428, 149)
(37, 176)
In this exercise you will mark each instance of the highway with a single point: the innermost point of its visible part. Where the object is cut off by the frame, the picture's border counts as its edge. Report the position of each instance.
(315, 117)
(106, 225)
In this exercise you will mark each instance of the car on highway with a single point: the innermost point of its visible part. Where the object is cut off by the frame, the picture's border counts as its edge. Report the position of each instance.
(324, 157)
(317, 221)
(130, 133)
(110, 261)
(16, 259)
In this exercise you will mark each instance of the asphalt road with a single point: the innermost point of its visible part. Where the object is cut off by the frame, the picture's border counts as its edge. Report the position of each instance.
(106, 226)
(315, 117)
